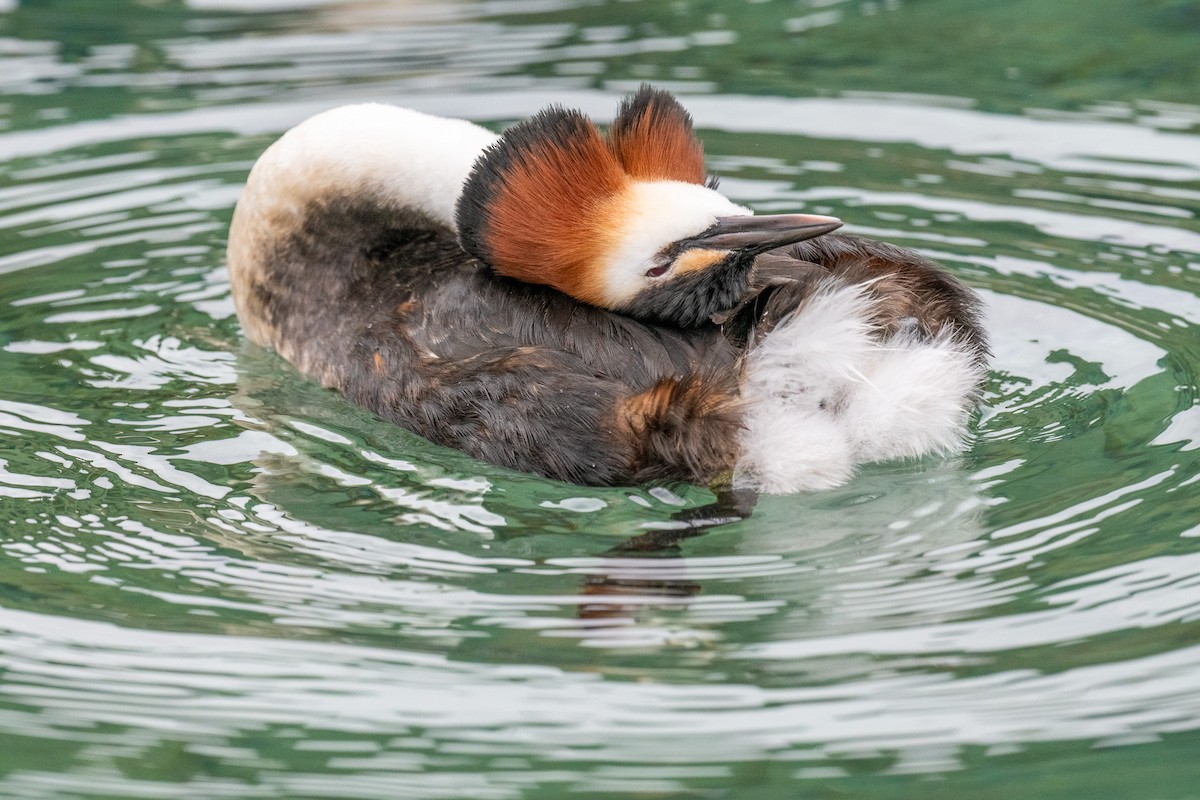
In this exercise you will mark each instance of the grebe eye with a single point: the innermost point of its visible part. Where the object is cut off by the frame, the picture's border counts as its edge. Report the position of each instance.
(658, 272)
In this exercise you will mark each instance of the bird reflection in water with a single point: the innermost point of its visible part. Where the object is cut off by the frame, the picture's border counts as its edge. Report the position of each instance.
(648, 565)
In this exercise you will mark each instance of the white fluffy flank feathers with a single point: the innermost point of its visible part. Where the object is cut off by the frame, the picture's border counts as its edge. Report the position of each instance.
(825, 392)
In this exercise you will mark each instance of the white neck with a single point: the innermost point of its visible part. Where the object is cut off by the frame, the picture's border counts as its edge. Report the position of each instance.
(395, 156)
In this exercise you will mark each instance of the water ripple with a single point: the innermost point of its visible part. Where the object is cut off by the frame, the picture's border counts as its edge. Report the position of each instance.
(221, 580)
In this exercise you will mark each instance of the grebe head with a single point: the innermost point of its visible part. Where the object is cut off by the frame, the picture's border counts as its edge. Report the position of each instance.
(628, 222)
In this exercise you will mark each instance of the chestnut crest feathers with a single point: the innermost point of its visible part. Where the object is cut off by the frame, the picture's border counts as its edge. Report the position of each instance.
(547, 202)
(526, 206)
(653, 139)
(623, 221)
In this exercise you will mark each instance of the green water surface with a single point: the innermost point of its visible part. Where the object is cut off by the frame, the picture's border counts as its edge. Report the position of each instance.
(218, 580)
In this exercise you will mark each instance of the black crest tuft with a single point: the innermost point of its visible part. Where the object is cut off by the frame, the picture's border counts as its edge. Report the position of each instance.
(655, 106)
(652, 136)
(552, 130)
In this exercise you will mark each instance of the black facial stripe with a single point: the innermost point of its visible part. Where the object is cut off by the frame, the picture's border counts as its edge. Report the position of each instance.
(690, 299)
(692, 242)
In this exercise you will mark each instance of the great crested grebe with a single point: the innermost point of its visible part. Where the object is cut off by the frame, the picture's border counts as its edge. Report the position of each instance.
(589, 307)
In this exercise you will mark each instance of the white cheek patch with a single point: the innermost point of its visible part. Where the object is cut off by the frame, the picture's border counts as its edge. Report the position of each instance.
(825, 393)
(650, 216)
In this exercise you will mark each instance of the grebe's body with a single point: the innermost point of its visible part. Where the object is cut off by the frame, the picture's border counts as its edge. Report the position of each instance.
(346, 255)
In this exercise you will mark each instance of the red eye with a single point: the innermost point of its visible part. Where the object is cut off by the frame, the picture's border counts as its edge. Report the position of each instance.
(658, 272)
